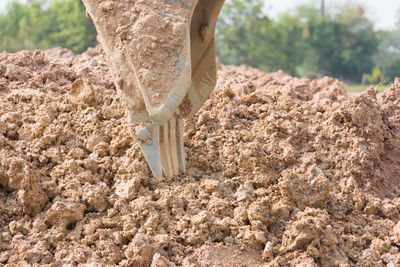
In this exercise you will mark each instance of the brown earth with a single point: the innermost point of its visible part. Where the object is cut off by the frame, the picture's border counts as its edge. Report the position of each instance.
(281, 172)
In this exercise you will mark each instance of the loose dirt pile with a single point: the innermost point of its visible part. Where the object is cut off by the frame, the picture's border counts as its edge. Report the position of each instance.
(281, 172)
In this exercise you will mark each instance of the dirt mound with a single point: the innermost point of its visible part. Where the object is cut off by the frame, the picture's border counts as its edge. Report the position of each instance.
(281, 171)
(54, 70)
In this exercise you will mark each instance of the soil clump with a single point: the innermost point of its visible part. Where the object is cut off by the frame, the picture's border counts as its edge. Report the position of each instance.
(282, 171)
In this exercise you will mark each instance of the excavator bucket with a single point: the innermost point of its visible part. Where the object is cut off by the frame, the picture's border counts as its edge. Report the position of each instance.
(162, 55)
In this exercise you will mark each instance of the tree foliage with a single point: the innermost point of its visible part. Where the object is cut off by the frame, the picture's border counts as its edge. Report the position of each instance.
(296, 41)
(388, 57)
(347, 40)
(41, 24)
(241, 23)
(247, 36)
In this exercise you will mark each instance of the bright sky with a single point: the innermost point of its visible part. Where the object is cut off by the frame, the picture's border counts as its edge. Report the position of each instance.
(382, 12)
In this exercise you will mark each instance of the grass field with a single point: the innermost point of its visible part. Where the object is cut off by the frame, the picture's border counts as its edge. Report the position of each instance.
(358, 88)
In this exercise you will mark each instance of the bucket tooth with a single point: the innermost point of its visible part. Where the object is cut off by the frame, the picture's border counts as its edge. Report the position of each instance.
(173, 144)
(150, 144)
(165, 146)
(180, 147)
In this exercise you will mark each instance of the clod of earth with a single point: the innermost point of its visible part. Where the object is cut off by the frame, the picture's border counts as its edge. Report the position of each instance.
(281, 171)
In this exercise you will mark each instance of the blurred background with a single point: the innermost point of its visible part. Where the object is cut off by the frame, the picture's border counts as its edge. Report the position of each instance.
(355, 41)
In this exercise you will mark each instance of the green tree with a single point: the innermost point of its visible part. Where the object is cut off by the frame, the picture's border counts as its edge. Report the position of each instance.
(43, 24)
(244, 33)
(347, 38)
(358, 45)
(11, 23)
(293, 46)
(72, 28)
(388, 56)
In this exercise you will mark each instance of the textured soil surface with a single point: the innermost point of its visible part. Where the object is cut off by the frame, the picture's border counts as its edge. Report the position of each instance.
(281, 172)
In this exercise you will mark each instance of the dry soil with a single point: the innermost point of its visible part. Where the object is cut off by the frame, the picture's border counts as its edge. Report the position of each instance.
(282, 171)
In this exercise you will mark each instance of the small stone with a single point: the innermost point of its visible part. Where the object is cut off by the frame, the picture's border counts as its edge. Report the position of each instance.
(94, 196)
(49, 75)
(244, 192)
(267, 254)
(127, 189)
(160, 261)
(82, 92)
(309, 190)
(63, 213)
(396, 230)
(390, 210)
(372, 207)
